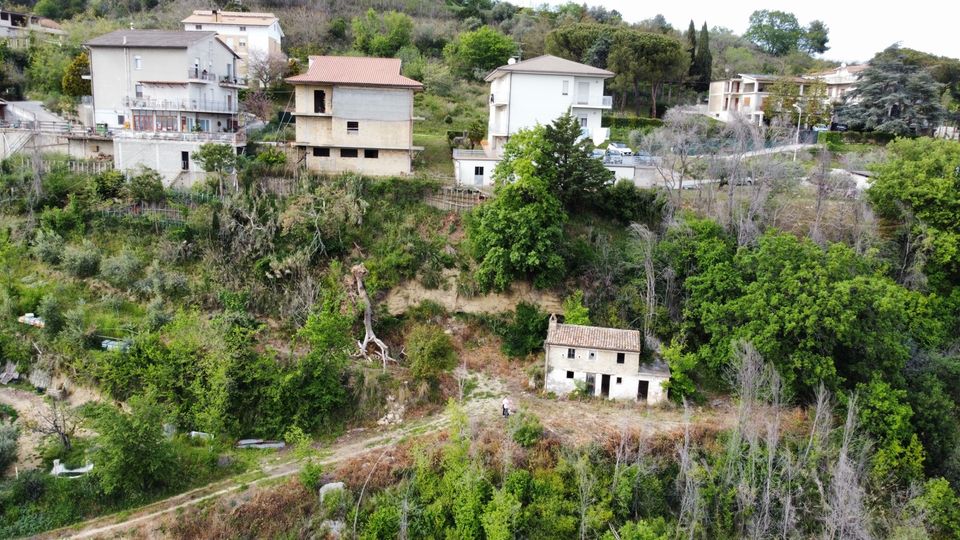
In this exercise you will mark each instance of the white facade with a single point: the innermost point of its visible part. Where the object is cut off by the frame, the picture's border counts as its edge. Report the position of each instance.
(251, 35)
(604, 372)
(524, 100)
(162, 95)
(473, 168)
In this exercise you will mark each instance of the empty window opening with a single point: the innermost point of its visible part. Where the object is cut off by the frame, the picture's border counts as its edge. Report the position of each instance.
(621, 357)
(348, 152)
(321, 152)
(319, 101)
(571, 353)
(371, 154)
(353, 127)
(569, 374)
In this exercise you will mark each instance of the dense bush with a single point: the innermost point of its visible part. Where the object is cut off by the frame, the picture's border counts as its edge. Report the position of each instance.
(145, 187)
(121, 270)
(48, 246)
(525, 428)
(631, 122)
(525, 332)
(430, 352)
(82, 261)
(8, 445)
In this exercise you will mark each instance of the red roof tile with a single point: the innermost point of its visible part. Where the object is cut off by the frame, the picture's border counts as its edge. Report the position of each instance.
(355, 70)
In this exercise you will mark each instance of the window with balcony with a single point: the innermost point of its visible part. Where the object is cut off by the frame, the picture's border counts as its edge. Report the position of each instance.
(321, 152)
(319, 101)
(371, 154)
(143, 121)
(166, 122)
(353, 128)
(348, 152)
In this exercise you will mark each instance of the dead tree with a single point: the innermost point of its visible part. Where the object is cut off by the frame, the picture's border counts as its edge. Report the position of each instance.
(57, 419)
(646, 242)
(369, 337)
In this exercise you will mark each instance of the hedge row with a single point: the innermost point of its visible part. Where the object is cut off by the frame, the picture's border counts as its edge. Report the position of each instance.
(630, 122)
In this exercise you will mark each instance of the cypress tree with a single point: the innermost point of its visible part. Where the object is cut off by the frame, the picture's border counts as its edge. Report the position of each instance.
(692, 48)
(703, 61)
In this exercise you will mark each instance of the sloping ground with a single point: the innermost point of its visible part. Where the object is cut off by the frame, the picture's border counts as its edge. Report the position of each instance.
(413, 293)
(573, 421)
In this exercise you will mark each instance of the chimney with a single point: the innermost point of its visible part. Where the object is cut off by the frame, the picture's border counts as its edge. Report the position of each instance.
(512, 61)
(553, 320)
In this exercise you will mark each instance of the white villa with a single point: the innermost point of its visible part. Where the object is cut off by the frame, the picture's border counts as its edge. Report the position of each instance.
(250, 34)
(162, 94)
(605, 360)
(744, 95)
(535, 91)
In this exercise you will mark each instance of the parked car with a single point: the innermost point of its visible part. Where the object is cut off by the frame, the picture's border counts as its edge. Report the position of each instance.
(619, 149)
(598, 154)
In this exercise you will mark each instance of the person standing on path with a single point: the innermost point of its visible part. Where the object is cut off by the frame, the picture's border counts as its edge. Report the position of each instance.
(507, 406)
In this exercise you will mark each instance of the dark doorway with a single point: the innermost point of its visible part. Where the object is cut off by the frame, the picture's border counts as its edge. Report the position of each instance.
(642, 389)
(185, 161)
(605, 385)
(591, 383)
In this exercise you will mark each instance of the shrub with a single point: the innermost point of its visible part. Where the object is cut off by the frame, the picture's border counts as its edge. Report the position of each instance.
(82, 261)
(430, 352)
(525, 429)
(272, 156)
(121, 269)
(8, 445)
(311, 475)
(526, 332)
(51, 311)
(156, 316)
(109, 184)
(145, 187)
(48, 246)
(833, 140)
(631, 122)
(60, 220)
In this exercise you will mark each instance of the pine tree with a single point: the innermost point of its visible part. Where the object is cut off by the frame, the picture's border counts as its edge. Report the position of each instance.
(704, 61)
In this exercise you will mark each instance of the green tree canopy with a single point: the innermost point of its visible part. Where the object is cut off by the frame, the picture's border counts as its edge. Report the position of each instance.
(894, 95)
(641, 58)
(430, 353)
(814, 39)
(73, 82)
(382, 35)
(473, 54)
(775, 32)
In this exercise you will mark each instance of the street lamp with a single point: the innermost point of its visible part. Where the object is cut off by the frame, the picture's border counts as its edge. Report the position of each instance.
(797, 140)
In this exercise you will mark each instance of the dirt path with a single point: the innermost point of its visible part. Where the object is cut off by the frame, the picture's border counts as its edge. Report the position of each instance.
(572, 420)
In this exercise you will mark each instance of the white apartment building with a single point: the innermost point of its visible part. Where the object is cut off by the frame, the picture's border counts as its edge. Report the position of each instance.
(745, 95)
(251, 35)
(535, 91)
(605, 361)
(355, 114)
(162, 94)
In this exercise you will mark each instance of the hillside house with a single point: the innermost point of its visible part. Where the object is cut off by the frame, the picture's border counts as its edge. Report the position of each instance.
(16, 28)
(745, 95)
(163, 94)
(605, 360)
(252, 35)
(355, 114)
(536, 91)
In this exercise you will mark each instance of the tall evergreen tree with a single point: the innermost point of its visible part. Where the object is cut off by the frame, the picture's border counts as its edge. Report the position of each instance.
(704, 60)
(692, 48)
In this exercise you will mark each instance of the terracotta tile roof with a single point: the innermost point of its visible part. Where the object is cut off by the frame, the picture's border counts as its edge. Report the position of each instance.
(355, 70)
(597, 337)
(552, 65)
(206, 16)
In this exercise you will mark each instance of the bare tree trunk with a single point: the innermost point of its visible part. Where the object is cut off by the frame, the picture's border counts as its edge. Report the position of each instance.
(654, 88)
(369, 337)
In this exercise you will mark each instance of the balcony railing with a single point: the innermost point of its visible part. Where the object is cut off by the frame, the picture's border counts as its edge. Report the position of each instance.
(197, 74)
(199, 105)
(238, 137)
(461, 153)
(605, 102)
(233, 81)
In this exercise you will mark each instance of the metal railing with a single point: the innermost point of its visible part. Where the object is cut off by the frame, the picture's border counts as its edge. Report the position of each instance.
(236, 81)
(460, 153)
(180, 104)
(239, 137)
(65, 128)
(195, 74)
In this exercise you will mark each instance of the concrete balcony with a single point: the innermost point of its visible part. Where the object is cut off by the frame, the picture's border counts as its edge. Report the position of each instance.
(193, 105)
(196, 74)
(233, 82)
(499, 100)
(237, 138)
(587, 102)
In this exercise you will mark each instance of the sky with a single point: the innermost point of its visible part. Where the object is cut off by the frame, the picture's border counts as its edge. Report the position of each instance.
(858, 29)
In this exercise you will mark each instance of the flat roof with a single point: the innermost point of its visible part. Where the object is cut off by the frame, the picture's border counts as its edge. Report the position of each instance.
(355, 70)
(208, 16)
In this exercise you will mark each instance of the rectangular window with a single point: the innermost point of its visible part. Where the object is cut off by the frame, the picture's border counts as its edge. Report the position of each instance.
(120, 119)
(139, 90)
(198, 27)
(143, 121)
(621, 357)
(321, 152)
(348, 152)
(746, 101)
(243, 28)
(204, 124)
(137, 62)
(243, 43)
(569, 374)
(353, 127)
(478, 171)
(619, 380)
(583, 121)
(571, 353)
(166, 122)
(566, 88)
(319, 101)
(593, 355)
(371, 154)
